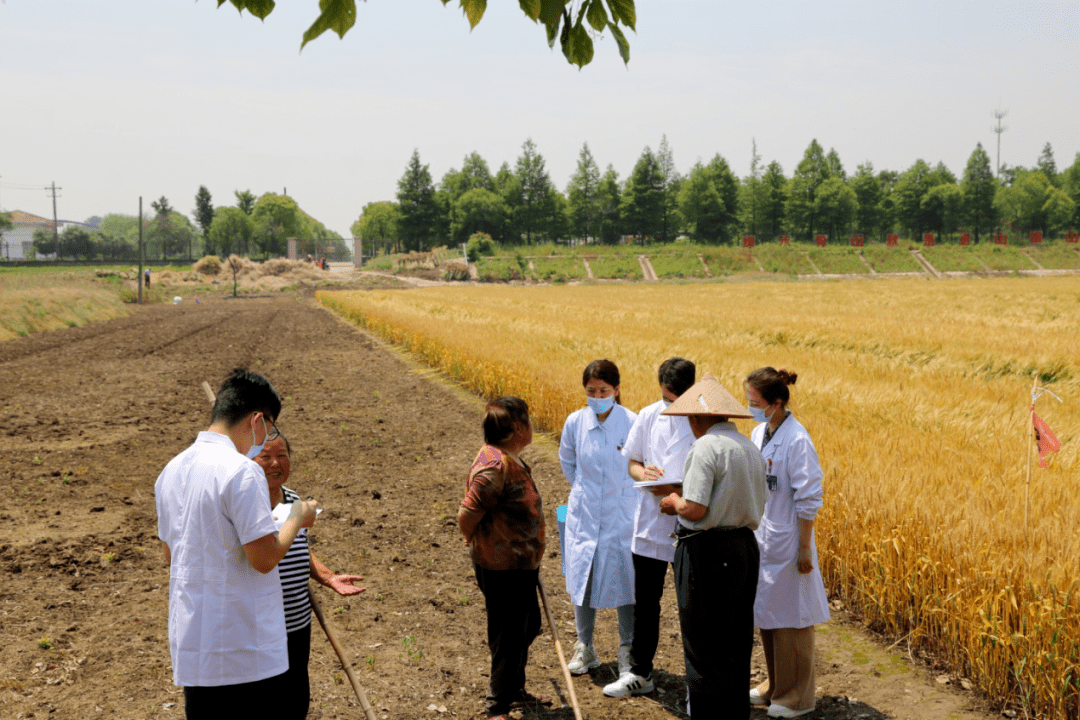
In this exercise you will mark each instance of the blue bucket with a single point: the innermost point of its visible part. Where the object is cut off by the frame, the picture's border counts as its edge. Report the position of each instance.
(560, 516)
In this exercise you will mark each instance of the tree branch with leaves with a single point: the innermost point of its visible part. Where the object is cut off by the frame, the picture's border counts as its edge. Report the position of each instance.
(571, 23)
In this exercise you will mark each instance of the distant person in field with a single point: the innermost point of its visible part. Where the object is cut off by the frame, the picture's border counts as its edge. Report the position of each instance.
(656, 449)
(502, 519)
(226, 615)
(719, 506)
(294, 688)
(791, 596)
(146, 276)
(600, 516)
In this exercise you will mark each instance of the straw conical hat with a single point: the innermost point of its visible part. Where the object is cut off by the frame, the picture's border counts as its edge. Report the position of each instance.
(707, 397)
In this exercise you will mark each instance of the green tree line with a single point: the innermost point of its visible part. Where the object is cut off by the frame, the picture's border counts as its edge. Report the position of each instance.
(520, 205)
(255, 227)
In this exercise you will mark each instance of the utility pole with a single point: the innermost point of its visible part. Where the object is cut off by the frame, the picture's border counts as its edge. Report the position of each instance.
(140, 279)
(999, 128)
(55, 223)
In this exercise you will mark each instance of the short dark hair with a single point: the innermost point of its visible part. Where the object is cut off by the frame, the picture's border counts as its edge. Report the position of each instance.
(502, 417)
(677, 375)
(772, 383)
(243, 393)
(601, 370)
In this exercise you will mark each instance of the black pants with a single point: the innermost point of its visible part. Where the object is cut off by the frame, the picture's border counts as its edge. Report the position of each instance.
(294, 692)
(223, 702)
(513, 622)
(648, 590)
(716, 574)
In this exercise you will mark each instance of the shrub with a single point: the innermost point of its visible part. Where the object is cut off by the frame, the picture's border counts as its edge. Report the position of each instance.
(479, 244)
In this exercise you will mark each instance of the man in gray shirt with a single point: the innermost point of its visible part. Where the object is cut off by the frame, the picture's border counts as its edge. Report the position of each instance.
(716, 559)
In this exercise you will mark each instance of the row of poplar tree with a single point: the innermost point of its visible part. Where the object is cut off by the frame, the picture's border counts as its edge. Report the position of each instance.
(710, 204)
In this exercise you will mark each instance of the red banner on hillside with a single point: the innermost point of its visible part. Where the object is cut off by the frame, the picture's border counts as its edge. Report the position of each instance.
(821, 240)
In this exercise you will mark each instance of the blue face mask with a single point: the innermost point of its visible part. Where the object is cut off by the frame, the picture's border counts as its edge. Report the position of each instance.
(601, 405)
(254, 450)
(759, 414)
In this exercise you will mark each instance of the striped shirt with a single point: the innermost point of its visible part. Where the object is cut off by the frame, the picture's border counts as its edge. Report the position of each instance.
(295, 570)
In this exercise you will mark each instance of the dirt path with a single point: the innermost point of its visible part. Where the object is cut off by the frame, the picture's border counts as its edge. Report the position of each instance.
(90, 415)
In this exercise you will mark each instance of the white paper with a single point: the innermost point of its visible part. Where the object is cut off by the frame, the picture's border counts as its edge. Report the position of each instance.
(281, 513)
(661, 481)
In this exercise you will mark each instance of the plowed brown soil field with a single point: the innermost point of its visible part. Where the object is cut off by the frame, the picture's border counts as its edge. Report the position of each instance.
(88, 418)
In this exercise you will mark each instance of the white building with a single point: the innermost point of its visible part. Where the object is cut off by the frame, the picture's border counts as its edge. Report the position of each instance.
(18, 242)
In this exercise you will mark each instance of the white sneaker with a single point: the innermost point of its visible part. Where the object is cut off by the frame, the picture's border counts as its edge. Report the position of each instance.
(779, 711)
(757, 698)
(629, 684)
(584, 659)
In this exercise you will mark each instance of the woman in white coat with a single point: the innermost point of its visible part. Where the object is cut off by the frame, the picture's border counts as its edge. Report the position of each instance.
(600, 516)
(790, 594)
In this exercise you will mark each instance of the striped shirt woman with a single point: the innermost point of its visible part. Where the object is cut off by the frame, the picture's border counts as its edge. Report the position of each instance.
(295, 569)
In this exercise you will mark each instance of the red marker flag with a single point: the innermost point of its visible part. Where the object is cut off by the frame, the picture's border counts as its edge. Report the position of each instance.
(1044, 438)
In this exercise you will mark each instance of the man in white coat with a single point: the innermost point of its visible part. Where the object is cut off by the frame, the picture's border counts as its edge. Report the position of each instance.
(226, 613)
(656, 449)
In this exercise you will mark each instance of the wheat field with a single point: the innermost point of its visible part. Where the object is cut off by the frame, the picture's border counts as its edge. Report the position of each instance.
(916, 393)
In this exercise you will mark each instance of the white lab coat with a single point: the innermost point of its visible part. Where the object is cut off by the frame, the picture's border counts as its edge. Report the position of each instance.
(785, 597)
(600, 516)
(663, 441)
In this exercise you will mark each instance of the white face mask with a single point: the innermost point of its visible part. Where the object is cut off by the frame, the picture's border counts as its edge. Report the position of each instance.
(758, 414)
(667, 403)
(254, 450)
(601, 405)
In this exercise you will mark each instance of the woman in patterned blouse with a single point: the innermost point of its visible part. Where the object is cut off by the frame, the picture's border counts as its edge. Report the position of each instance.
(502, 519)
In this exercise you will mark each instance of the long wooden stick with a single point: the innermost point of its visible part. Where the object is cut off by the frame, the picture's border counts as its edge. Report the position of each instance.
(559, 650)
(360, 694)
(368, 710)
(1030, 444)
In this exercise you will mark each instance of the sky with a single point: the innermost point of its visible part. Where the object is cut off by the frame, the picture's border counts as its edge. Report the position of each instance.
(117, 100)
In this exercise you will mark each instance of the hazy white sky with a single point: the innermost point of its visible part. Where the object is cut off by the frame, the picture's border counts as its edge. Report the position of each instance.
(122, 98)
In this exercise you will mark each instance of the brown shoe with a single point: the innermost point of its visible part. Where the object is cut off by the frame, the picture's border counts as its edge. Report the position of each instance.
(527, 699)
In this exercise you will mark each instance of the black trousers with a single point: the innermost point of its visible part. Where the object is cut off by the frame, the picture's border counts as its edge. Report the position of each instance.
(716, 574)
(648, 590)
(223, 702)
(294, 692)
(513, 622)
